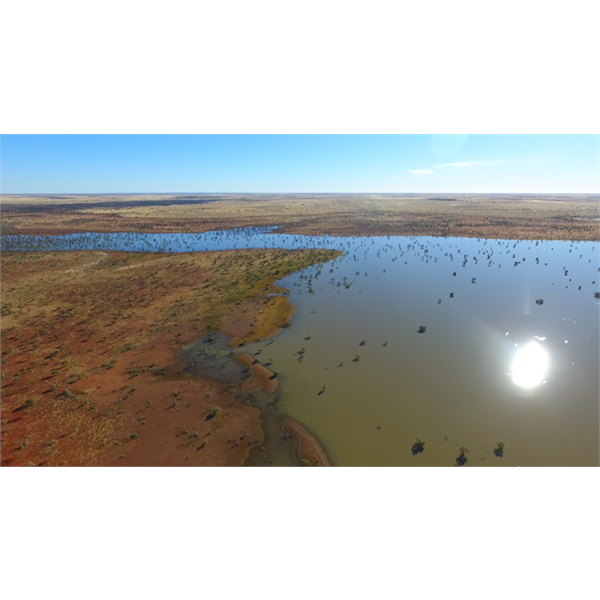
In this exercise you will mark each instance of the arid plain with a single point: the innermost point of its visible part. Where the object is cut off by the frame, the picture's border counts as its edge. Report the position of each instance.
(560, 217)
(91, 340)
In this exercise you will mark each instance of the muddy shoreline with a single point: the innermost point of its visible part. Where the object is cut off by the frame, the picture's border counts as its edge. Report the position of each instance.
(285, 442)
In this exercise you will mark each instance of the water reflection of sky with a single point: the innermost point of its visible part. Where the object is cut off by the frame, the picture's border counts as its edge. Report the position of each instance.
(488, 344)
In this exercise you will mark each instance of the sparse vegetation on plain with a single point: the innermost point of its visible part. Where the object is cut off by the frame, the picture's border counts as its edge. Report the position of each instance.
(551, 216)
(78, 326)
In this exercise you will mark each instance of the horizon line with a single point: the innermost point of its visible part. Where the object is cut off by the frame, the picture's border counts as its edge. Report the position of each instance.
(281, 192)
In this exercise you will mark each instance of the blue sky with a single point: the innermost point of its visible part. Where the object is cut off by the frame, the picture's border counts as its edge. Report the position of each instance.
(299, 163)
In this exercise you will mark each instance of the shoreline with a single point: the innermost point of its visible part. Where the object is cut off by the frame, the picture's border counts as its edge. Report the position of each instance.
(141, 408)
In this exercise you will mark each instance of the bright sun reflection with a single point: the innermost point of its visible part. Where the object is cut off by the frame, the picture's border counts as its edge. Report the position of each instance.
(530, 365)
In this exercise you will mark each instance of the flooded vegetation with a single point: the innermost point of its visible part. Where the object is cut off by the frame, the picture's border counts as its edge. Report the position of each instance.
(458, 341)
(418, 446)
(485, 363)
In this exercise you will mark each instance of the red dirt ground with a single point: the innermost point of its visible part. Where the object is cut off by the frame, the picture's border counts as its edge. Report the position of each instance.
(90, 341)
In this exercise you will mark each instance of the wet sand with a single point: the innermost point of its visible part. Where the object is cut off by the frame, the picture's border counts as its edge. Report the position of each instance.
(260, 377)
(309, 451)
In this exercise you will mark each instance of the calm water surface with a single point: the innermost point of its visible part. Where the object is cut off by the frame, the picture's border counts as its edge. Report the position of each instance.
(493, 364)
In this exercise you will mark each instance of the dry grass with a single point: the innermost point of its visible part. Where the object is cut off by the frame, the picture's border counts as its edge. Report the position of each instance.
(574, 217)
(101, 324)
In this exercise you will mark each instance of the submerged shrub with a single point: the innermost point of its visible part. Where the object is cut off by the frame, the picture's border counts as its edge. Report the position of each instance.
(499, 449)
(418, 446)
(461, 459)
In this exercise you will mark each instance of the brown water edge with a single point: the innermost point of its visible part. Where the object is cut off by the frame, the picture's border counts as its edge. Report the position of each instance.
(284, 442)
(275, 449)
(280, 431)
(309, 451)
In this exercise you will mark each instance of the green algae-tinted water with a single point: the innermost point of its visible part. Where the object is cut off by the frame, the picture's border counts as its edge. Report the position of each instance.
(510, 348)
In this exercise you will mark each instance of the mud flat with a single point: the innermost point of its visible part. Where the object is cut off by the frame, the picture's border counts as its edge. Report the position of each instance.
(91, 365)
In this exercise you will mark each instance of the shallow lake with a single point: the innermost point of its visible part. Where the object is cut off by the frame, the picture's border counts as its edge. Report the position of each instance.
(510, 349)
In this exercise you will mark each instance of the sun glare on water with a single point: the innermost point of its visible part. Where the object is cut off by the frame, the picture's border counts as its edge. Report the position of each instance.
(530, 365)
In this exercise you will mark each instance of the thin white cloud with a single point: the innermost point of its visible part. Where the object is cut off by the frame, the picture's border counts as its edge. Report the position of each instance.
(472, 163)
(421, 171)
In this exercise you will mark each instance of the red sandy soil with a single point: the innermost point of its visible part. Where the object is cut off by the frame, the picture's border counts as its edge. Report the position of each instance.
(260, 377)
(90, 367)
